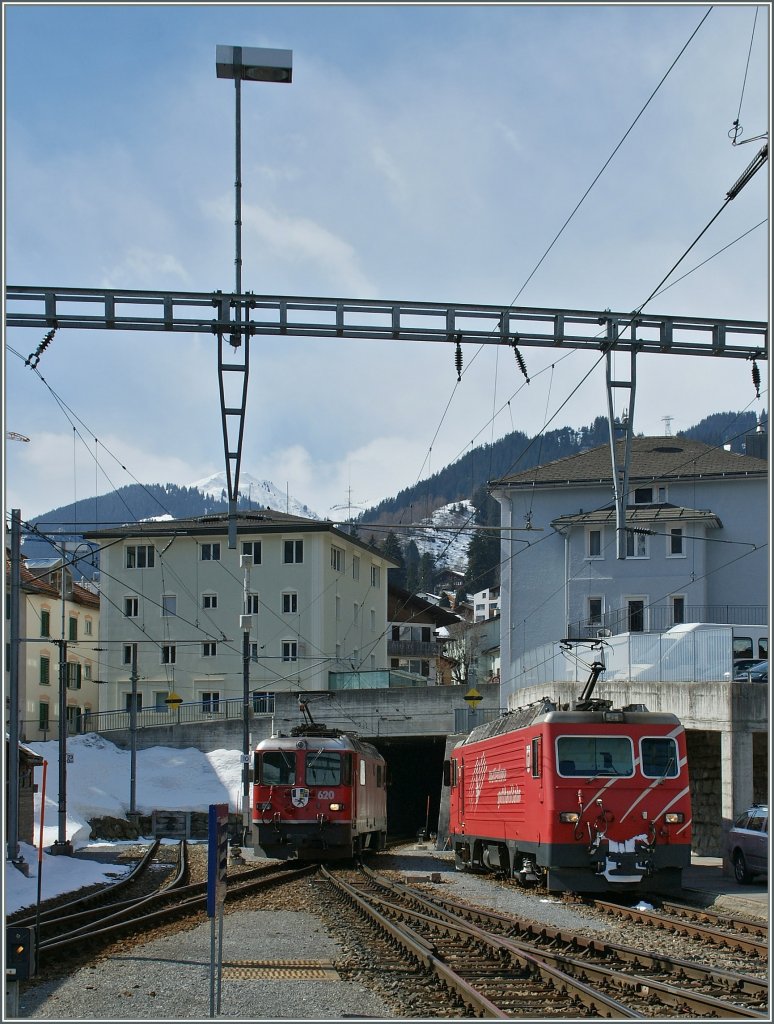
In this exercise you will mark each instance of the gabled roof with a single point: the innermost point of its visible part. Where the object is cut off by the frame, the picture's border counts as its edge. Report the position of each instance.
(37, 582)
(410, 605)
(653, 458)
(641, 514)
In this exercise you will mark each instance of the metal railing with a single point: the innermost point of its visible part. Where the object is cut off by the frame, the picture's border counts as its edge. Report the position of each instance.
(192, 712)
(658, 618)
(413, 649)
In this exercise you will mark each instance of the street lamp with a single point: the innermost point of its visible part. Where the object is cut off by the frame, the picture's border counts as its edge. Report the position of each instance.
(248, 64)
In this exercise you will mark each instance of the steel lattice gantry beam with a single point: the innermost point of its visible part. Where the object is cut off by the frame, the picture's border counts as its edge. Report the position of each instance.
(377, 319)
(233, 318)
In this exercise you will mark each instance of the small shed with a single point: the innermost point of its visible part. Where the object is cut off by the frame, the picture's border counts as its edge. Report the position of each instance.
(28, 762)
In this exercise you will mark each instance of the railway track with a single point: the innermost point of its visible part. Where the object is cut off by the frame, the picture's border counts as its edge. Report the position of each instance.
(736, 933)
(80, 927)
(497, 965)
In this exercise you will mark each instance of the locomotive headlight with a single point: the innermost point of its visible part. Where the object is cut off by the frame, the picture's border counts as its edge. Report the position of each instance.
(674, 818)
(569, 817)
(336, 807)
(613, 716)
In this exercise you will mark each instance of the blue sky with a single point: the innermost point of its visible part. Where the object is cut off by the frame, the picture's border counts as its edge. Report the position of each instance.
(422, 152)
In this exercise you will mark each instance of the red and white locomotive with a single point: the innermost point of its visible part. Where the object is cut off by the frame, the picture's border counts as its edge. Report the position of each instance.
(318, 794)
(581, 799)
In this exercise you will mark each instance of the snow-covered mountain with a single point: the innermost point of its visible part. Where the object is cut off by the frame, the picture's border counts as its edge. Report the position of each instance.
(259, 493)
(446, 534)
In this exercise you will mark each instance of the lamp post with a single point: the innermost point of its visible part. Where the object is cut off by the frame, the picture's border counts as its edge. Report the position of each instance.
(243, 64)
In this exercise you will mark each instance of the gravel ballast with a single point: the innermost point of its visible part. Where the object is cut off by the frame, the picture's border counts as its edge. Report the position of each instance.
(169, 977)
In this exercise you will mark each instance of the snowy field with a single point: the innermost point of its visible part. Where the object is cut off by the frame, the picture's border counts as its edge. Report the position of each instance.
(98, 781)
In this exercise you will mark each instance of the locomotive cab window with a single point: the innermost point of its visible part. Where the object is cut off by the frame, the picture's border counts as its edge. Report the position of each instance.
(591, 756)
(659, 757)
(277, 768)
(323, 768)
(362, 771)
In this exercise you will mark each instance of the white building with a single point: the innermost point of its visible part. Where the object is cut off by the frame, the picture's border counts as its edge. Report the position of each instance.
(697, 531)
(486, 604)
(314, 601)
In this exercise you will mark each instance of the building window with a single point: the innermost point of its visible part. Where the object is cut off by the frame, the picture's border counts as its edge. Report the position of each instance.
(373, 619)
(168, 604)
(595, 611)
(72, 628)
(676, 549)
(678, 610)
(131, 607)
(636, 545)
(127, 654)
(43, 718)
(45, 672)
(45, 623)
(73, 675)
(337, 559)
(209, 649)
(168, 654)
(137, 701)
(594, 538)
(290, 603)
(263, 703)
(140, 556)
(254, 652)
(210, 552)
(252, 547)
(253, 604)
(643, 495)
(209, 600)
(294, 551)
(87, 671)
(356, 567)
(376, 576)
(211, 702)
(87, 627)
(290, 650)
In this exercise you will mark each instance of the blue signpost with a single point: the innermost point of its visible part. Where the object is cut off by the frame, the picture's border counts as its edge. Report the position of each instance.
(217, 865)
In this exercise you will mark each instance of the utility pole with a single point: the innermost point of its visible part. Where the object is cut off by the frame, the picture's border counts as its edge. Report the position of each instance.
(13, 727)
(133, 735)
(62, 845)
(245, 621)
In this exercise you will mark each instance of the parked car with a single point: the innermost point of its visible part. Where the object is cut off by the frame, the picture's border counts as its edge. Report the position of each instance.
(747, 844)
(756, 671)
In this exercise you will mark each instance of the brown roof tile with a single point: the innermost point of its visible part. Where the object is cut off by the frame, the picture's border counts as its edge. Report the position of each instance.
(653, 458)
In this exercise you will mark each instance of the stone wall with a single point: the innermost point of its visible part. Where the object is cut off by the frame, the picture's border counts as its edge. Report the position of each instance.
(704, 770)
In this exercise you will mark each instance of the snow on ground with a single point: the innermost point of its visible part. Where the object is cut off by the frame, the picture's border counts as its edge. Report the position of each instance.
(98, 785)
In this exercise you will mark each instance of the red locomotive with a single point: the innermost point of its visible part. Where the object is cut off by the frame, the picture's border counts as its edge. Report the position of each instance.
(581, 799)
(318, 794)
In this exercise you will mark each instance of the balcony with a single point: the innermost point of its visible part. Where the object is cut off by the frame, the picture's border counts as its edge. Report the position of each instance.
(414, 649)
(658, 618)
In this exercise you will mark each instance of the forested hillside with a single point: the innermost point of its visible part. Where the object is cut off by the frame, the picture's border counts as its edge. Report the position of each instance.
(516, 452)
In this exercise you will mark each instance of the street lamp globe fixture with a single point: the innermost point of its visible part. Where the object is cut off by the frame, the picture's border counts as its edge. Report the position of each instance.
(255, 64)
